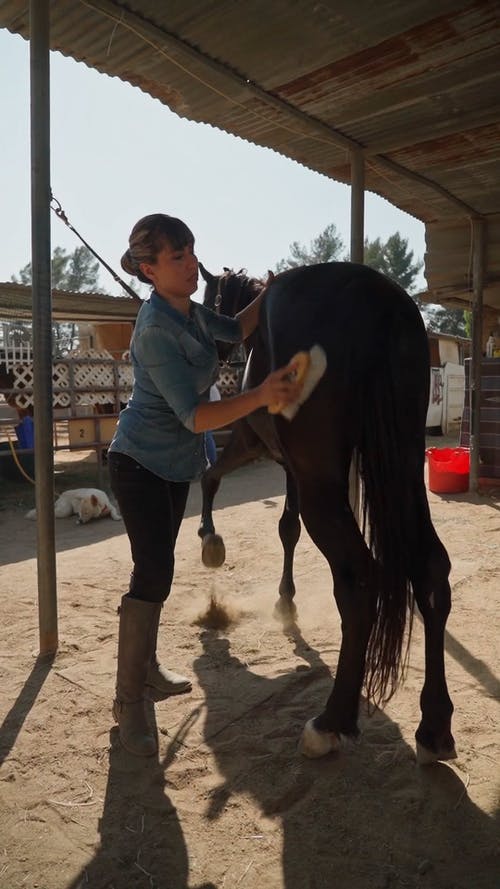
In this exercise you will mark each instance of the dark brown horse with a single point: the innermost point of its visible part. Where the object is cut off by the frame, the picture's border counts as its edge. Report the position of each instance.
(369, 407)
(251, 438)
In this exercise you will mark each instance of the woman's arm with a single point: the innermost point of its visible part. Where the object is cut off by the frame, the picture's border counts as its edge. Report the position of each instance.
(249, 316)
(277, 387)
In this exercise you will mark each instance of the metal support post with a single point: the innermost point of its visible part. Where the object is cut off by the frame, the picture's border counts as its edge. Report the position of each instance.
(357, 206)
(42, 322)
(478, 242)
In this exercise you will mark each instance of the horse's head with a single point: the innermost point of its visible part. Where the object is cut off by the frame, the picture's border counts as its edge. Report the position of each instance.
(228, 294)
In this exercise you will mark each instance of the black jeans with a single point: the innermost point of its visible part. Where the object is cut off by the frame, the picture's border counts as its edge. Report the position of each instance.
(152, 510)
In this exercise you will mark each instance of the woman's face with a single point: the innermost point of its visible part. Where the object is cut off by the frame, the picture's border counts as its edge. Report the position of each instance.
(174, 273)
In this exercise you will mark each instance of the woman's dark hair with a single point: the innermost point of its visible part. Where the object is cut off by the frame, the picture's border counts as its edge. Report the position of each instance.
(149, 236)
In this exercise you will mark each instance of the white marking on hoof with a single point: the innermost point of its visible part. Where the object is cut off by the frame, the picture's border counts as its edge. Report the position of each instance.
(213, 551)
(314, 744)
(427, 757)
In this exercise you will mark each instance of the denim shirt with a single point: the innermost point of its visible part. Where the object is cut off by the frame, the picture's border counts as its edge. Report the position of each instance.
(174, 359)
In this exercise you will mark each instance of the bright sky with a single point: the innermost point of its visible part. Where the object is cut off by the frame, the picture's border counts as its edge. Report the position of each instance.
(117, 154)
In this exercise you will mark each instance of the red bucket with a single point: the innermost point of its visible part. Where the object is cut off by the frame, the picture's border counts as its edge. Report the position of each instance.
(448, 470)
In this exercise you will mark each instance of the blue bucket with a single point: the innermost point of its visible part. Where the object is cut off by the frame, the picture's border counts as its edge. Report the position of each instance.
(25, 431)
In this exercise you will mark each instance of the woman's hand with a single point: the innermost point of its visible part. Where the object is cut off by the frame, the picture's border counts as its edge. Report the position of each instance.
(281, 386)
(278, 390)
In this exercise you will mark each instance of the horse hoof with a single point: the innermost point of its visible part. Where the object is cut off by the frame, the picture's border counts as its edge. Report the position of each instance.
(426, 757)
(213, 551)
(314, 744)
(286, 612)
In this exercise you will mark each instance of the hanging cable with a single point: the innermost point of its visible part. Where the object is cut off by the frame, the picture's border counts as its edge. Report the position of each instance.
(58, 210)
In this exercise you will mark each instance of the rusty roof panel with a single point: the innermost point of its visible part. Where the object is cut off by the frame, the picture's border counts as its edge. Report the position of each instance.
(464, 150)
(404, 62)
(417, 85)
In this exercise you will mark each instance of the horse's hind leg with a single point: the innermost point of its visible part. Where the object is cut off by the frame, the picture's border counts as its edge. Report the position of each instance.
(289, 531)
(330, 522)
(431, 567)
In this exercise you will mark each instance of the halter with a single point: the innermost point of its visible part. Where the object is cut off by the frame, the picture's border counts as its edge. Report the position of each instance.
(221, 284)
(218, 295)
(241, 279)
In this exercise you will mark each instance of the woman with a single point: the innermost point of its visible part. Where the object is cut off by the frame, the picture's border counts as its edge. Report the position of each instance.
(158, 447)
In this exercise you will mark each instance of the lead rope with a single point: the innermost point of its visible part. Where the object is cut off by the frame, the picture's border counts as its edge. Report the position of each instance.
(58, 210)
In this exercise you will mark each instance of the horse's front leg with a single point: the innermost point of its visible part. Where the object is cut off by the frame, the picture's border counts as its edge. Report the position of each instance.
(330, 522)
(242, 447)
(289, 531)
(210, 483)
(213, 551)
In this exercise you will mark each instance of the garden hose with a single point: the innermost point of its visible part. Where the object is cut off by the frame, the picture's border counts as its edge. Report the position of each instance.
(17, 461)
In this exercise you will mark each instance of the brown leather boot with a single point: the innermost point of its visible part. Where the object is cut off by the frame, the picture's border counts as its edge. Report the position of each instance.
(160, 682)
(136, 641)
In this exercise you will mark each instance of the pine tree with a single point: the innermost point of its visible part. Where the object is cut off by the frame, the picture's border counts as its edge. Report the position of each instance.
(76, 272)
(327, 247)
(394, 259)
(443, 320)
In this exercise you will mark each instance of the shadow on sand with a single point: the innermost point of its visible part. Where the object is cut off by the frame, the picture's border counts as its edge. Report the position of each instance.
(368, 818)
(15, 718)
(142, 845)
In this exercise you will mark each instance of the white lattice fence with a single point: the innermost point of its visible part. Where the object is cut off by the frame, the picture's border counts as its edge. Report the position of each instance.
(229, 379)
(13, 353)
(94, 377)
(90, 378)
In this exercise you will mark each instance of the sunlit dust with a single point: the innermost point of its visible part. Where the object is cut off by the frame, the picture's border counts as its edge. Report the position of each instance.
(217, 616)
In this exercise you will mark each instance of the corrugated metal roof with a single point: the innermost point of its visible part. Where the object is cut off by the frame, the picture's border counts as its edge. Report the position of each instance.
(416, 85)
(16, 303)
(448, 262)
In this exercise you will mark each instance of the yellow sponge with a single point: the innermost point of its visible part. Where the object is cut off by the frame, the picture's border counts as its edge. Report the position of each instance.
(310, 367)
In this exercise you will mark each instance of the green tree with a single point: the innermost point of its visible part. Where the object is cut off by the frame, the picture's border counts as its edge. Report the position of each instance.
(394, 259)
(76, 272)
(391, 257)
(327, 247)
(443, 320)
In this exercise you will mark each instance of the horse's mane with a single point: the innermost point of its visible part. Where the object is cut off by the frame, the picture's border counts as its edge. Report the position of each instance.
(254, 283)
(239, 283)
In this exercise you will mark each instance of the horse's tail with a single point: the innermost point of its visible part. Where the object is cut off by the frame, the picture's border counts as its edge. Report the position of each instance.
(387, 472)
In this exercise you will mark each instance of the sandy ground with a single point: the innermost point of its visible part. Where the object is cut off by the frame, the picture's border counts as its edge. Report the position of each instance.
(229, 802)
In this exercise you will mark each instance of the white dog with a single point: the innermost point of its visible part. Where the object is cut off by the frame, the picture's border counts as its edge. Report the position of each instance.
(86, 503)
